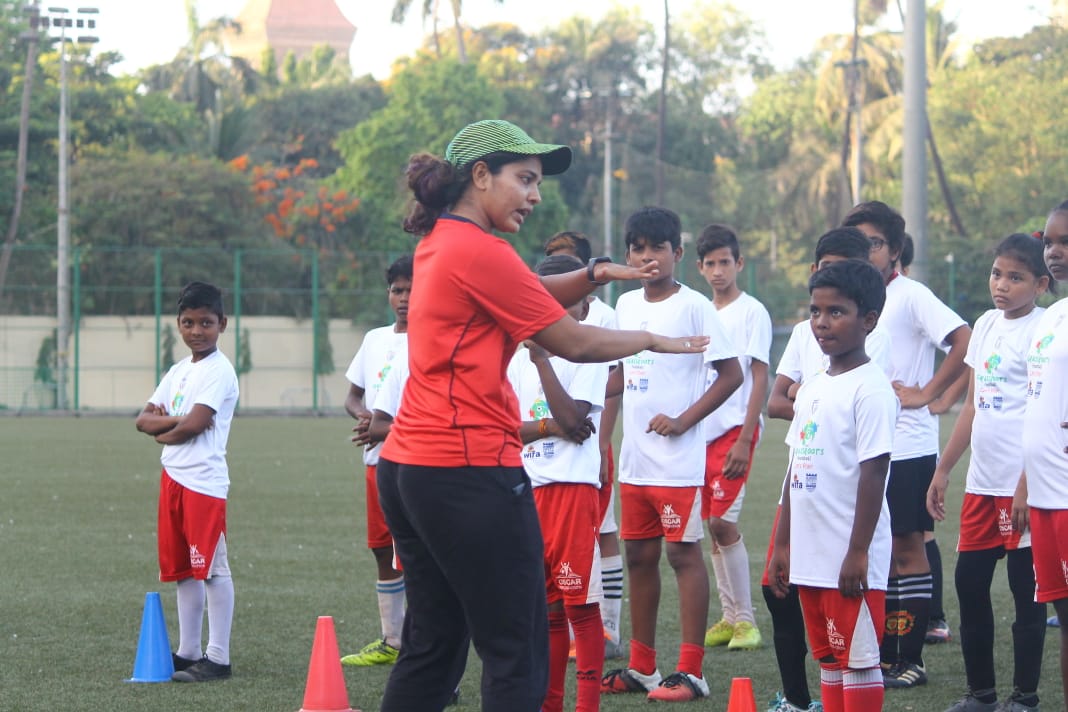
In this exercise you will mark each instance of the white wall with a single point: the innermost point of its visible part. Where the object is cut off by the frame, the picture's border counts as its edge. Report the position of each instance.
(117, 358)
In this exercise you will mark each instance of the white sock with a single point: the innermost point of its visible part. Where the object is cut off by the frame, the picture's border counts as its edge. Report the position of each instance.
(190, 618)
(612, 582)
(736, 566)
(723, 584)
(391, 609)
(220, 590)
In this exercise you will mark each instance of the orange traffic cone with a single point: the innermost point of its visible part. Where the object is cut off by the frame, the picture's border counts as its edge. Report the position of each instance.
(325, 691)
(742, 699)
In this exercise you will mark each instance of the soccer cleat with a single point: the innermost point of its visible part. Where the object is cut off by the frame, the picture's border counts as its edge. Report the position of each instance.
(719, 634)
(181, 663)
(781, 704)
(970, 703)
(628, 680)
(905, 675)
(679, 687)
(203, 670)
(1019, 702)
(746, 637)
(937, 632)
(1053, 622)
(377, 653)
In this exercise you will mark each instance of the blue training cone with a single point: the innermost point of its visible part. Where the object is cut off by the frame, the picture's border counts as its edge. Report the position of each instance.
(153, 662)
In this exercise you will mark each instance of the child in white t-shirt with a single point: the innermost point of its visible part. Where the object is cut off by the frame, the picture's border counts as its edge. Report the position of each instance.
(662, 457)
(731, 435)
(382, 349)
(992, 416)
(833, 537)
(1045, 438)
(190, 414)
(557, 399)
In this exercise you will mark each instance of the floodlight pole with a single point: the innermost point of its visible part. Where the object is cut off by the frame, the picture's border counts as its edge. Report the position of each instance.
(914, 169)
(63, 300)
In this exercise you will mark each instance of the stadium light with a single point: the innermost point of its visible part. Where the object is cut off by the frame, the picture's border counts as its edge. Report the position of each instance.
(84, 19)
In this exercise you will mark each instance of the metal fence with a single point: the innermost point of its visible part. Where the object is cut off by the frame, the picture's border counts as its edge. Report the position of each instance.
(296, 317)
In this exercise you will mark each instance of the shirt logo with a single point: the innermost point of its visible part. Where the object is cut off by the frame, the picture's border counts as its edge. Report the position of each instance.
(1064, 569)
(539, 410)
(196, 559)
(1043, 343)
(1004, 522)
(808, 432)
(992, 363)
(530, 453)
(669, 519)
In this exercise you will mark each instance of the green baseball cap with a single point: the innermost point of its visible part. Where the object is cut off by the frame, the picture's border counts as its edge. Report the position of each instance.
(492, 135)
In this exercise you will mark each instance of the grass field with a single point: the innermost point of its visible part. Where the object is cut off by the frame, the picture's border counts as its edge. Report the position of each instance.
(77, 536)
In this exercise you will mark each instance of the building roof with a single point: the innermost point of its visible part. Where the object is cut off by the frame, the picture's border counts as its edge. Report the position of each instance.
(290, 26)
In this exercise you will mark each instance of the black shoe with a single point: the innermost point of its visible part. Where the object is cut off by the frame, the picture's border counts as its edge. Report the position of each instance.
(905, 675)
(181, 663)
(203, 670)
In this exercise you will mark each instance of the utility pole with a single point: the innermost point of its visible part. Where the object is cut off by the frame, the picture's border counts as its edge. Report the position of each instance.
(61, 19)
(914, 170)
(607, 190)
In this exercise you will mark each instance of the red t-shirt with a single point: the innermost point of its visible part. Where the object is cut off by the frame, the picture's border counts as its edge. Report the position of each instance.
(473, 300)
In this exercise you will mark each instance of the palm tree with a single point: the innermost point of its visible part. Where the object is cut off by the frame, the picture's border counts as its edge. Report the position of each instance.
(430, 10)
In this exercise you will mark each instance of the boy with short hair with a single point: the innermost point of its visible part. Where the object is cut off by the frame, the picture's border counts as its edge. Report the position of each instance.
(382, 349)
(918, 324)
(662, 457)
(190, 414)
(731, 433)
(576, 244)
(833, 535)
(557, 399)
(801, 360)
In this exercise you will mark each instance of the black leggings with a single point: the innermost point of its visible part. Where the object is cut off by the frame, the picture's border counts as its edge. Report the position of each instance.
(974, 574)
(471, 548)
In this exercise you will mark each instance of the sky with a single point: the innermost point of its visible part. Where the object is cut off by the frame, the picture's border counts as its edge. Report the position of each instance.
(791, 27)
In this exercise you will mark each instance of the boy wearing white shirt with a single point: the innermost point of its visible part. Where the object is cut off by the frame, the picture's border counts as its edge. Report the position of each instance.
(731, 435)
(557, 399)
(662, 458)
(833, 537)
(918, 324)
(382, 349)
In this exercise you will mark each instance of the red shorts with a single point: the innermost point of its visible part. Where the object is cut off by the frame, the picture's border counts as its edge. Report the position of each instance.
(604, 497)
(721, 494)
(986, 523)
(190, 526)
(764, 581)
(1049, 547)
(378, 536)
(569, 519)
(650, 512)
(849, 629)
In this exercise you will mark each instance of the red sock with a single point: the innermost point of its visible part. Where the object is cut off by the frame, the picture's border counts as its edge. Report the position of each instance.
(559, 642)
(862, 689)
(642, 657)
(831, 688)
(589, 654)
(690, 658)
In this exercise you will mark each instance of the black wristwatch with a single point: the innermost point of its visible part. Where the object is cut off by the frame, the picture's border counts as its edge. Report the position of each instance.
(590, 265)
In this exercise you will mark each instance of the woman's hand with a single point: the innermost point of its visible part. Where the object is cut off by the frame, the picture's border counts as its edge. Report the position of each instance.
(614, 272)
(678, 344)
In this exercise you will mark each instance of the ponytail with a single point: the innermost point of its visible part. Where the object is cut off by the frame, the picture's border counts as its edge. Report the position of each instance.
(435, 185)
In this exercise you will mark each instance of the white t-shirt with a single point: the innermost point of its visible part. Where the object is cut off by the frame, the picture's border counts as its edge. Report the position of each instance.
(748, 324)
(666, 383)
(552, 460)
(803, 358)
(381, 350)
(918, 324)
(997, 353)
(200, 464)
(600, 314)
(840, 421)
(1044, 440)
